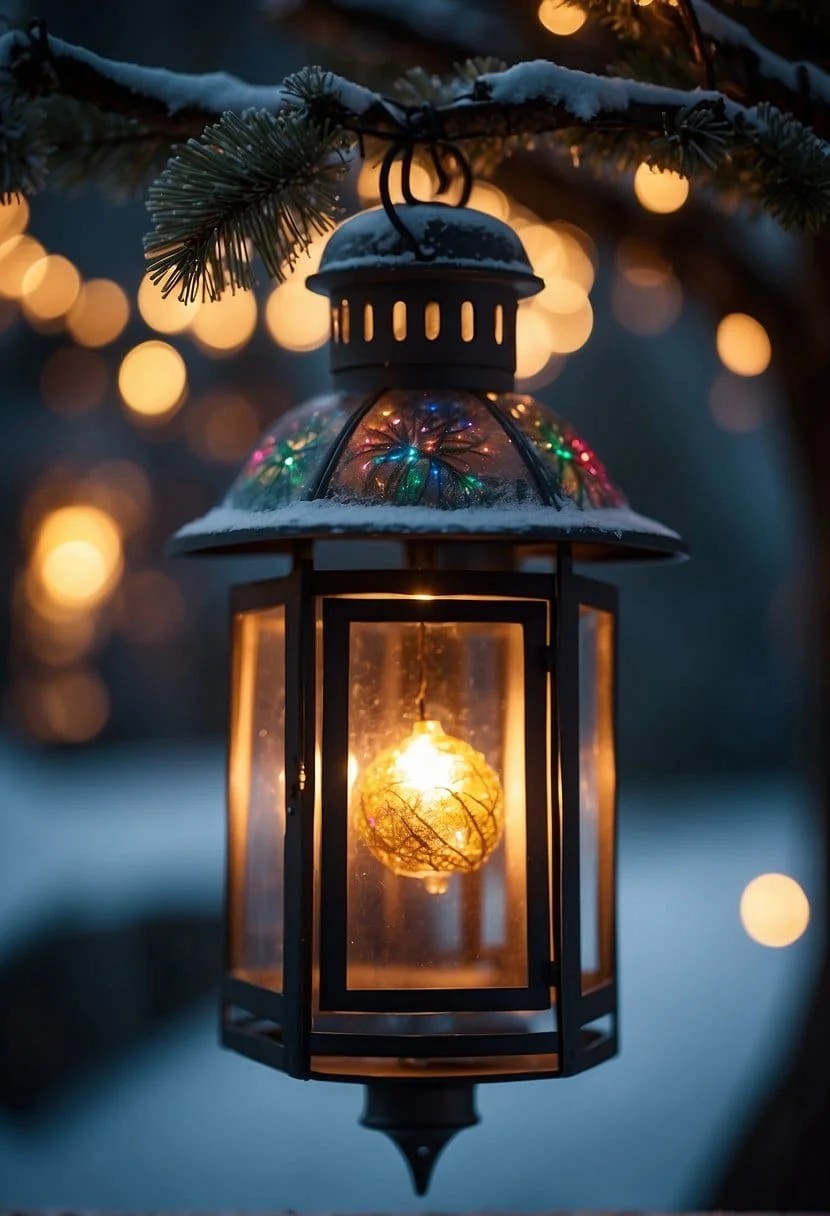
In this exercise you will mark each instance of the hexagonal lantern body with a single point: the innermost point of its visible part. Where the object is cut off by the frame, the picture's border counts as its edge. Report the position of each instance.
(422, 788)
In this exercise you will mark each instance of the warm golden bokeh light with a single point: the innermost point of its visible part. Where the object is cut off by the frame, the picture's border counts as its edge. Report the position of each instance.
(562, 295)
(73, 380)
(100, 313)
(368, 182)
(559, 17)
(77, 558)
(743, 345)
(486, 197)
(533, 349)
(223, 426)
(152, 380)
(568, 332)
(14, 216)
(224, 326)
(59, 640)
(165, 314)
(660, 190)
(296, 318)
(17, 256)
(50, 287)
(774, 910)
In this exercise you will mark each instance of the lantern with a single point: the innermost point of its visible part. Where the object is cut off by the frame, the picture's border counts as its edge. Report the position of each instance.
(421, 878)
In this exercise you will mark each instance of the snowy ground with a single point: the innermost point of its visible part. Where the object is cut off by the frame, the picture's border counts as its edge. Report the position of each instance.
(178, 1123)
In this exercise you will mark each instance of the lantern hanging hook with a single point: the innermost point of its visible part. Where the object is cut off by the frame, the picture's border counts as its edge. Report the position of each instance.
(420, 127)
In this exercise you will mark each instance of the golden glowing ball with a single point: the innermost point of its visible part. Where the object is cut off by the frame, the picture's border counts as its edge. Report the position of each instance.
(743, 344)
(561, 18)
(100, 313)
(152, 380)
(224, 326)
(49, 288)
(165, 314)
(430, 807)
(78, 556)
(774, 910)
(660, 190)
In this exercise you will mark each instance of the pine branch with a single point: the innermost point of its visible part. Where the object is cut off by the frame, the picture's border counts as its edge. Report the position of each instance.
(270, 180)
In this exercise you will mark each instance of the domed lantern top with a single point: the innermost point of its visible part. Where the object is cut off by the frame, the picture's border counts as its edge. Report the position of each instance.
(424, 436)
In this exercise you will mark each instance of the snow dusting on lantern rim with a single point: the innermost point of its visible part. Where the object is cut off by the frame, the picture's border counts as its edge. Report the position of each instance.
(618, 528)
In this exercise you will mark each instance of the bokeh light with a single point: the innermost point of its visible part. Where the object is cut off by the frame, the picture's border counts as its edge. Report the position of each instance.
(296, 318)
(165, 314)
(421, 181)
(77, 558)
(223, 426)
(646, 298)
(660, 190)
(100, 313)
(774, 910)
(152, 380)
(559, 17)
(533, 349)
(73, 380)
(49, 288)
(568, 332)
(14, 216)
(224, 326)
(486, 197)
(743, 344)
(17, 257)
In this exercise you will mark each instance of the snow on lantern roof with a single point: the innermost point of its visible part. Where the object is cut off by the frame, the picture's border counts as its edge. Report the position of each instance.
(445, 240)
(446, 465)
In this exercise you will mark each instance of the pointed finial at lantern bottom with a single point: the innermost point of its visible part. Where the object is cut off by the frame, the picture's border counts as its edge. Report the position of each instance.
(421, 1119)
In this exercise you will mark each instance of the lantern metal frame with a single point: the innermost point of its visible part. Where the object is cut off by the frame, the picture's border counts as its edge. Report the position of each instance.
(277, 1027)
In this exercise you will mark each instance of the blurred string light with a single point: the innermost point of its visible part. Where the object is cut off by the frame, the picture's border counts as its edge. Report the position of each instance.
(152, 380)
(559, 17)
(73, 380)
(743, 344)
(774, 910)
(77, 557)
(222, 426)
(165, 314)
(49, 288)
(122, 489)
(660, 190)
(296, 318)
(224, 326)
(646, 298)
(100, 313)
(17, 257)
(739, 404)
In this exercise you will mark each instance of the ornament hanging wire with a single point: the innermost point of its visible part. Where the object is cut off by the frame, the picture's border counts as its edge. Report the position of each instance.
(403, 143)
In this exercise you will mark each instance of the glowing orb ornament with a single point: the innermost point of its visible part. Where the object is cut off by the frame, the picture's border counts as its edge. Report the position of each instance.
(430, 807)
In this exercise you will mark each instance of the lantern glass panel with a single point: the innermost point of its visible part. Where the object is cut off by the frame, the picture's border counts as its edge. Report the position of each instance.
(597, 793)
(433, 449)
(290, 457)
(436, 854)
(257, 798)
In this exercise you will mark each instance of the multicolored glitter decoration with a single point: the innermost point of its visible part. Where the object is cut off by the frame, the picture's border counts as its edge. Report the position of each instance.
(289, 457)
(439, 449)
(573, 471)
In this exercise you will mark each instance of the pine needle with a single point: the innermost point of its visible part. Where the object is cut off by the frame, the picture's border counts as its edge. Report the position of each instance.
(250, 181)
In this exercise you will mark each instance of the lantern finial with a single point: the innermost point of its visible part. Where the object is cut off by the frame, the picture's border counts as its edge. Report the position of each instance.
(421, 1120)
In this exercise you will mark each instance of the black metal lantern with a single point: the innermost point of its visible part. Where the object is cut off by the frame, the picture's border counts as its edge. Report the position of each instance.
(422, 788)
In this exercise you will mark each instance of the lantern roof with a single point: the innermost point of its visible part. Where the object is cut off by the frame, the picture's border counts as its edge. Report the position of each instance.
(444, 465)
(433, 239)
